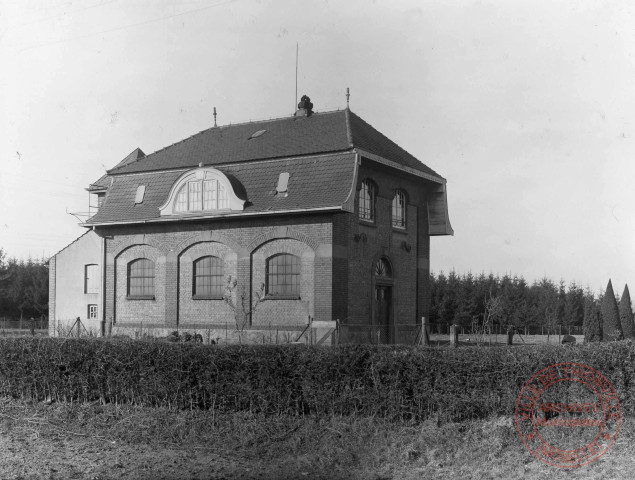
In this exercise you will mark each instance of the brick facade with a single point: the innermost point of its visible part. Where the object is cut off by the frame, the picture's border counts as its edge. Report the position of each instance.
(337, 253)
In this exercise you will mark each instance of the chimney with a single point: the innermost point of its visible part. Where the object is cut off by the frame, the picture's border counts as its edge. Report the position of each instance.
(305, 107)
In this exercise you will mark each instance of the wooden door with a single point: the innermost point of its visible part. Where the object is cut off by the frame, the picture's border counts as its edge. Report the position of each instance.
(383, 314)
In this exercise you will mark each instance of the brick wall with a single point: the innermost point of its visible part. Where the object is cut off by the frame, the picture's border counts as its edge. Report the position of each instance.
(241, 243)
(406, 249)
(198, 311)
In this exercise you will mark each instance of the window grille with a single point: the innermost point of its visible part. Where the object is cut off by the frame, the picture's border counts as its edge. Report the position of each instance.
(208, 277)
(399, 210)
(367, 201)
(141, 278)
(283, 275)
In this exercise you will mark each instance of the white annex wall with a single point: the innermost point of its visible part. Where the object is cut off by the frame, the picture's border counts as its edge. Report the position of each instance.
(70, 300)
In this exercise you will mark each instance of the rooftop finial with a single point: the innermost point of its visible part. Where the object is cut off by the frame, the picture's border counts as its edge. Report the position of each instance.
(347, 96)
(215, 116)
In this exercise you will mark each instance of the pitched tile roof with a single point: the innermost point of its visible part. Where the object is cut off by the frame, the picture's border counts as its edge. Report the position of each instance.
(320, 133)
(315, 182)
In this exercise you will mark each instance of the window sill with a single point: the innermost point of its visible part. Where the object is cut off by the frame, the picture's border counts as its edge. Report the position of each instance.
(399, 229)
(281, 297)
(367, 223)
(140, 297)
(206, 297)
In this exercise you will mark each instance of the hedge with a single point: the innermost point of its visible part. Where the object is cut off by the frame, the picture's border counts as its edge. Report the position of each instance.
(400, 383)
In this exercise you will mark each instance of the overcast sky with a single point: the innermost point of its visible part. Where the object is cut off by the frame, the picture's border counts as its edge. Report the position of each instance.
(526, 107)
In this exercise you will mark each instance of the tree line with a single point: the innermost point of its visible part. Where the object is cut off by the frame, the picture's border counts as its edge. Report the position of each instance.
(470, 300)
(24, 287)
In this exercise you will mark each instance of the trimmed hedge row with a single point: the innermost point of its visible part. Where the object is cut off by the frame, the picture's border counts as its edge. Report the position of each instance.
(401, 383)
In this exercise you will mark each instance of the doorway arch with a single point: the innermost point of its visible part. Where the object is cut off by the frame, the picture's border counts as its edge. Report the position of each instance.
(383, 330)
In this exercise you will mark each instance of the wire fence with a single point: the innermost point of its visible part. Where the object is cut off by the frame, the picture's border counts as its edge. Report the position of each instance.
(498, 329)
(405, 334)
(24, 323)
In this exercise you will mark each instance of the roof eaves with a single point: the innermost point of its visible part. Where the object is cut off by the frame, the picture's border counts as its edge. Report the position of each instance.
(74, 241)
(207, 217)
(398, 166)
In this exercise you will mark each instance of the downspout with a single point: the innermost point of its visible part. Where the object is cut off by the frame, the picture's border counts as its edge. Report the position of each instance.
(103, 286)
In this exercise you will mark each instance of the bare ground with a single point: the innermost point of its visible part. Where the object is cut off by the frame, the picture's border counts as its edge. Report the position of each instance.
(91, 441)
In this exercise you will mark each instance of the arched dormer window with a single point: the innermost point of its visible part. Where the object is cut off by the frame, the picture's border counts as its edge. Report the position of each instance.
(399, 210)
(202, 190)
(367, 201)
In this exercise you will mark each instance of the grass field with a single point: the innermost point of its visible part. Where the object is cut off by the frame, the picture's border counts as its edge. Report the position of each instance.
(98, 442)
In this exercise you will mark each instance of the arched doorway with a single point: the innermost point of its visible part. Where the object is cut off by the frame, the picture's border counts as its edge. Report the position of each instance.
(383, 323)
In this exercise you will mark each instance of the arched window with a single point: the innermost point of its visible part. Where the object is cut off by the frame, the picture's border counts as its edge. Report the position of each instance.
(200, 195)
(141, 278)
(208, 278)
(283, 275)
(383, 268)
(399, 210)
(367, 201)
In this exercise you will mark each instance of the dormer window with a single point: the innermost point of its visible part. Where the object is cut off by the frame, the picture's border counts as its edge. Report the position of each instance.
(201, 195)
(202, 190)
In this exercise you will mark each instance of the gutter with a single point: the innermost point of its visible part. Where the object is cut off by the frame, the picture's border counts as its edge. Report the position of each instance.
(217, 217)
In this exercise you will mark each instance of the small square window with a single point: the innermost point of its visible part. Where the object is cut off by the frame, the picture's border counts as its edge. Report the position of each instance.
(92, 312)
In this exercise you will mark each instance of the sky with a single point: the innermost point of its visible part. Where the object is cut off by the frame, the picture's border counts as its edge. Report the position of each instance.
(527, 108)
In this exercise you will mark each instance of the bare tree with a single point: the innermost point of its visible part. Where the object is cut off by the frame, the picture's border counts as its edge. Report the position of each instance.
(243, 315)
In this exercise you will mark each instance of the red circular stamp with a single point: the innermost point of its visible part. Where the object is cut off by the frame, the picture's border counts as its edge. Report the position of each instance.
(568, 415)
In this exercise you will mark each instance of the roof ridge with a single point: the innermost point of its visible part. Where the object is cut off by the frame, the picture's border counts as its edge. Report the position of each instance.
(349, 132)
(221, 127)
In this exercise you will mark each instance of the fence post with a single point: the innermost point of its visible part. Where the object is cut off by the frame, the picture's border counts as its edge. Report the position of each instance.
(454, 336)
(426, 333)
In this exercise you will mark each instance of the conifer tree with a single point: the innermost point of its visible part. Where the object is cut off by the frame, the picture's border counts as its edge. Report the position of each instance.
(611, 327)
(592, 321)
(626, 314)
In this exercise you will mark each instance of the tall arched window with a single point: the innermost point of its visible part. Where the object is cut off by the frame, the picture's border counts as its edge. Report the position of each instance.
(367, 201)
(283, 275)
(399, 210)
(141, 278)
(208, 279)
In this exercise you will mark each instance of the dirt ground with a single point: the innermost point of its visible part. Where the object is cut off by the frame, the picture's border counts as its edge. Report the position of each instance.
(94, 442)
(32, 456)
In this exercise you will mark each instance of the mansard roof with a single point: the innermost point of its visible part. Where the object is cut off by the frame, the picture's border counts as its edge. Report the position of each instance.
(315, 183)
(319, 133)
(319, 151)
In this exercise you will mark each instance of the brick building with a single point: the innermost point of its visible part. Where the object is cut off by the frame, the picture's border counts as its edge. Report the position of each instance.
(258, 227)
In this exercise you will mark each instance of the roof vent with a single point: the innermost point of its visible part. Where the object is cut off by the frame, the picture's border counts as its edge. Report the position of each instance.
(283, 183)
(141, 191)
(256, 134)
(305, 107)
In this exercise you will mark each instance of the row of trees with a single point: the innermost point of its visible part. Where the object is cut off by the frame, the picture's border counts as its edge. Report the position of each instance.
(23, 287)
(471, 300)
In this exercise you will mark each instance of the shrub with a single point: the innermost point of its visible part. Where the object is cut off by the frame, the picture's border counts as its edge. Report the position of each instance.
(398, 383)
